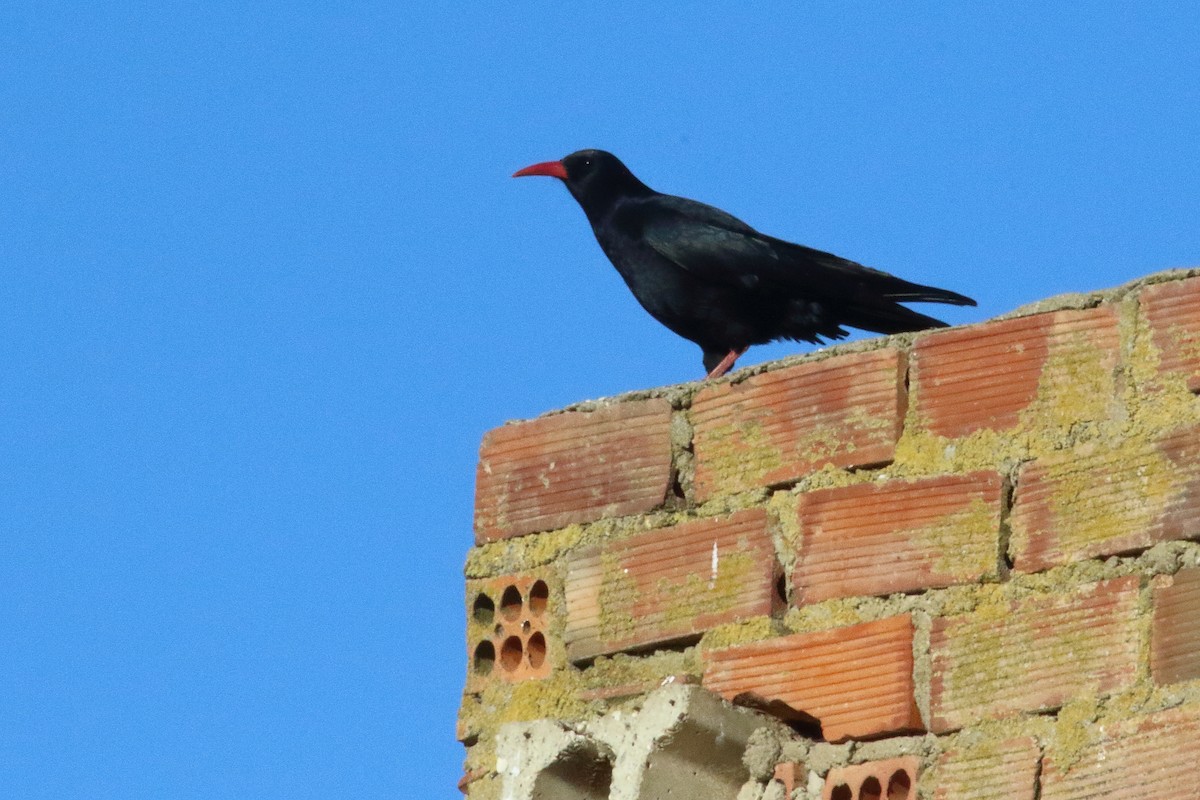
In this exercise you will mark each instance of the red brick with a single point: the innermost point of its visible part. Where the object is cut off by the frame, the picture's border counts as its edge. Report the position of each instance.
(791, 775)
(777, 427)
(987, 376)
(1172, 311)
(892, 778)
(988, 770)
(1149, 758)
(1033, 654)
(578, 466)
(1097, 501)
(897, 536)
(857, 680)
(1175, 639)
(669, 584)
(508, 624)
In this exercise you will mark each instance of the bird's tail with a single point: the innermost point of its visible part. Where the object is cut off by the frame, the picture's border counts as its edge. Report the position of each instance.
(904, 292)
(888, 318)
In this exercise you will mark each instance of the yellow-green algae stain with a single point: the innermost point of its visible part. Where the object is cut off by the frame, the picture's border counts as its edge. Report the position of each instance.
(751, 630)
(521, 553)
(991, 649)
(707, 593)
(966, 542)
(618, 595)
(737, 456)
(1101, 496)
(1077, 384)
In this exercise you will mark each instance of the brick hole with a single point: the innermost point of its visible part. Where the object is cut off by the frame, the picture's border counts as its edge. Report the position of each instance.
(841, 792)
(498, 630)
(536, 648)
(870, 789)
(539, 596)
(525, 626)
(899, 785)
(510, 603)
(510, 654)
(484, 659)
(483, 610)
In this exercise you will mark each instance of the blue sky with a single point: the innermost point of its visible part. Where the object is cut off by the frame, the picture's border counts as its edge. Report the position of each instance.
(266, 282)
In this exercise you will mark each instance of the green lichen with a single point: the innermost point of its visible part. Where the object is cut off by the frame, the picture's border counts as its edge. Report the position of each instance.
(705, 593)
(964, 542)
(521, 553)
(752, 630)
(1139, 483)
(1076, 384)
(736, 456)
(619, 595)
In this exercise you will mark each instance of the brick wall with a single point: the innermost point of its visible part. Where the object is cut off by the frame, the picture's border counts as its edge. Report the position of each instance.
(954, 564)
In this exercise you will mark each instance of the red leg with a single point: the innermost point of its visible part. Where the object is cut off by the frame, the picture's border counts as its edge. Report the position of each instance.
(726, 364)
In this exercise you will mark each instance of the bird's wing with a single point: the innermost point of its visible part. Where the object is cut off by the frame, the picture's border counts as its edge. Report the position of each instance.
(720, 248)
(707, 242)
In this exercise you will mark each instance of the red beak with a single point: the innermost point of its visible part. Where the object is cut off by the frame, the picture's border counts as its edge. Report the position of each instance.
(553, 169)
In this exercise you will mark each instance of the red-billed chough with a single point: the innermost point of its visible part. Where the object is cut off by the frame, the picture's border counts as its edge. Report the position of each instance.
(713, 279)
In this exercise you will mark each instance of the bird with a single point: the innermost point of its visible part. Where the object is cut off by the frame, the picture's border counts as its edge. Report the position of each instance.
(716, 281)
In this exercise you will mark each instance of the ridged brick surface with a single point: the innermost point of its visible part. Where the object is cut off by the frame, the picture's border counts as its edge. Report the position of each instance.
(776, 427)
(857, 680)
(887, 779)
(669, 583)
(989, 770)
(578, 466)
(1147, 758)
(1056, 365)
(1033, 654)
(1175, 640)
(1096, 501)
(1172, 311)
(898, 536)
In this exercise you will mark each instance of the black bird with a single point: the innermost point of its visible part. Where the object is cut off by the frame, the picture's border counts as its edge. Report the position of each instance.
(713, 279)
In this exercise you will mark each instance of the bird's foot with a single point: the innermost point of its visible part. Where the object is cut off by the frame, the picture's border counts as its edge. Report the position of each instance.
(725, 364)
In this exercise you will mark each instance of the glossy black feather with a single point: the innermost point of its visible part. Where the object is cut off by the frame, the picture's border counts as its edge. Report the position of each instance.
(713, 279)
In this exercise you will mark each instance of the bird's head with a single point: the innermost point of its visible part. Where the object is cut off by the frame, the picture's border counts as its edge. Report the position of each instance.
(594, 177)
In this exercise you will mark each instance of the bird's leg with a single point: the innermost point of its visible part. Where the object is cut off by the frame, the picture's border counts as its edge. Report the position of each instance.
(725, 364)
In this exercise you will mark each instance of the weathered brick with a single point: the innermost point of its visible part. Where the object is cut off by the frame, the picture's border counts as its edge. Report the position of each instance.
(508, 622)
(1149, 758)
(897, 536)
(987, 770)
(857, 680)
(1175, 638)
(892, 778)
(669, 583)
(578, 466)
(1172, 311)
(1096, 500)
(1057, 367)
(777, 427)
(1033, 654)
